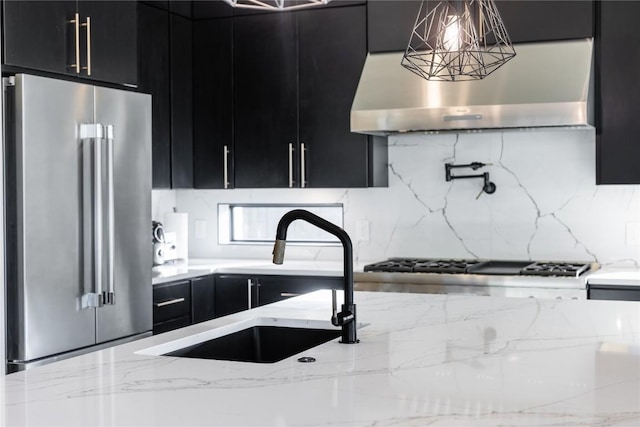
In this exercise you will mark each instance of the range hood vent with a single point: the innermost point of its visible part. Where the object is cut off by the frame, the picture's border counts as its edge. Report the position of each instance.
(545, 85)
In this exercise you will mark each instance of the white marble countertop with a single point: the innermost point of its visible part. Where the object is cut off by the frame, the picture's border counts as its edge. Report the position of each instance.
(422, 360)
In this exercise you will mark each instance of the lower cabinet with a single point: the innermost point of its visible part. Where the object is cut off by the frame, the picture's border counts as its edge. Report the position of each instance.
(619, 293)
(171, 306)
(186, 302)
(183, 303)
(235, 292)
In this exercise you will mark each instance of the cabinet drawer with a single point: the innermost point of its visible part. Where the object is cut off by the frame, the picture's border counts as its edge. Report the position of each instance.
(171, 301)
(170, 325)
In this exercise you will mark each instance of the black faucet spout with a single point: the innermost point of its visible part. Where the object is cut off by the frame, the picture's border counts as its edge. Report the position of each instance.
(347, 317)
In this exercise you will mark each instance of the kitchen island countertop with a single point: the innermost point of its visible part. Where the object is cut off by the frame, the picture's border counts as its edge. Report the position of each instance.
(422, 360)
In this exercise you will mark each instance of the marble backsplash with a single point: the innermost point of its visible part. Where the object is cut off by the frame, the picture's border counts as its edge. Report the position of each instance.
(546, 206)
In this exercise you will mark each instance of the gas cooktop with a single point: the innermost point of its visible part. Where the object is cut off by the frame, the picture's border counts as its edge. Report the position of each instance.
(481, 267)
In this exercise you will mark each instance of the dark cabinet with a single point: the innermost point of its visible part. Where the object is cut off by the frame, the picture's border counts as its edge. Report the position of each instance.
(183, 303)
(46, 36)
(617, 98)
(619, 293)
(332, 48)
(171, 306)
(391, 22)
(528, 21)
(38, 35)
(236, 293)
(213, 103)
(164, 69)
(155, 78)
(295, 76)
(112, 49)
(278, 288)
(265, 100)
(203, 299)
(181, 102)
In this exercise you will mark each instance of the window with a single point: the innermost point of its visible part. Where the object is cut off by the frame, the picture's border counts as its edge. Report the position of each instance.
(257, 223)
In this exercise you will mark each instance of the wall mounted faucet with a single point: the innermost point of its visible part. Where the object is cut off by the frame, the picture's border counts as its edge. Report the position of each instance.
(488, 187)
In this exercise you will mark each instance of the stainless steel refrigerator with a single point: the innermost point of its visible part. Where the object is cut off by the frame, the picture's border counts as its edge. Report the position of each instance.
(78, 218)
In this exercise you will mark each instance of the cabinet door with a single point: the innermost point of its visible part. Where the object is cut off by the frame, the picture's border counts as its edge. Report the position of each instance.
(113, 49)
(528, 21)
(154, 78)
(332, 51)
(203, 299)
(234, 293)
(617, 126)
(278, 288)
(181, 103)
(391, 22)
(265, 94)
(213, 102)
(38, 35)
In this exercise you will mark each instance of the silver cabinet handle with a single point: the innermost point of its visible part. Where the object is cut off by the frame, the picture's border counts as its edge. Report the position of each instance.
(290, 165)
(76, 22)
(289, 294)
(87, 24)
(249, 286)
(225, 163)
(111, 288)
(303, 174)
(169, 302)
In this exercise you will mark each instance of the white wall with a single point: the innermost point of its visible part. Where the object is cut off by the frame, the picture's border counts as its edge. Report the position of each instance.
(546, 207)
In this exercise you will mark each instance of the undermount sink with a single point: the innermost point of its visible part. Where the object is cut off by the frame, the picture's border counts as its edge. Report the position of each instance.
(258, 340)
(258, 344)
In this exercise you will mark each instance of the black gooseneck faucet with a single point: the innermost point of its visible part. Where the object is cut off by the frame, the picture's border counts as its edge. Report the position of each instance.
(347, 317)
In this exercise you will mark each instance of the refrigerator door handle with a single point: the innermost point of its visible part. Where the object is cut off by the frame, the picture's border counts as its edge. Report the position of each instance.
(92, 135)
(109, 297)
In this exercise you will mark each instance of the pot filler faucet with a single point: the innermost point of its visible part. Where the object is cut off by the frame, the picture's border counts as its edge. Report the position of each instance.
(347, 317)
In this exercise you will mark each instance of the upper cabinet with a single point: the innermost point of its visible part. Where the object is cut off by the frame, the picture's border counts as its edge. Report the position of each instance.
(284, 120)
(391, 22)
(265, 100)
(164, 71)
(617, 97)
(213, 102)
(87, 39)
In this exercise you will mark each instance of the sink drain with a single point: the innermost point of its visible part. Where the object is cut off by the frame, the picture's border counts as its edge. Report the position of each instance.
(306, 359)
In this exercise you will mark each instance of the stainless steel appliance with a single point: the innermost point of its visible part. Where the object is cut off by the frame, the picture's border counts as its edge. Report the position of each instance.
(547, 84)
(479, 277)
(78, 201)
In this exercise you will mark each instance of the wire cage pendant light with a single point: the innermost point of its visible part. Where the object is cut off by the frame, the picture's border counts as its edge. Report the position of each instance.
(457, 40)
(276, 4)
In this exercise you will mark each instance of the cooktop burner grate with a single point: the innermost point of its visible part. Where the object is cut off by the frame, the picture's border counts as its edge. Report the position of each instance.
(465, 266)
(555, 269)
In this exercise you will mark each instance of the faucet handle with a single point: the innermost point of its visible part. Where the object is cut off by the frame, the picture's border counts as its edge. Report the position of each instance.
(334, 308)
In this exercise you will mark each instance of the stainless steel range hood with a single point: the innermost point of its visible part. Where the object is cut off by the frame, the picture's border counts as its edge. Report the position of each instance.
(545, 85)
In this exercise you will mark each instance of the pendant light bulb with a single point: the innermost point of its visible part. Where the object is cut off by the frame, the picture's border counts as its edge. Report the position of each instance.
(457, 40)
(452, 34)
